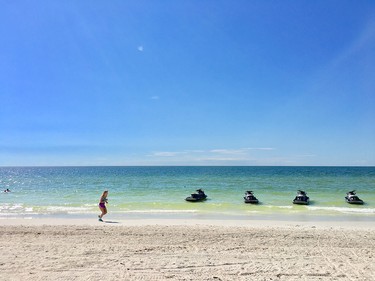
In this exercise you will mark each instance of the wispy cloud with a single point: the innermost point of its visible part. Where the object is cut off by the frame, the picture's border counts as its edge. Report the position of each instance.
(195, 151)
(240, 151)
(241, 156)
(260, 148)
(250, 156)
(166, 154)
(228, 151)
(155, 97)
(140, 48)
(221, 159)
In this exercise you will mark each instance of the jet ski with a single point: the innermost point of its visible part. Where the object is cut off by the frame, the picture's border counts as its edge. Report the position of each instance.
(196, 197)
(301, 198)
(351, 198)
(250, 198)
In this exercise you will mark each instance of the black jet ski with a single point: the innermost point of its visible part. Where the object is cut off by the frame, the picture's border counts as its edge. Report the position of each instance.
(301, 198)
(196, 197)
(351, 198)
(250, 198)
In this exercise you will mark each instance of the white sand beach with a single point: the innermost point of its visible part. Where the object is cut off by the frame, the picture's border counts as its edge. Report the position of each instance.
(185, 250)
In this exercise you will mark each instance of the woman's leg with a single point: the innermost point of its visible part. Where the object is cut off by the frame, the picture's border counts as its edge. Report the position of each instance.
(104, 211)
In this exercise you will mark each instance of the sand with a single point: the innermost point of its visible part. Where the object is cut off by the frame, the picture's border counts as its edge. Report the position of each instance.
(185, 250)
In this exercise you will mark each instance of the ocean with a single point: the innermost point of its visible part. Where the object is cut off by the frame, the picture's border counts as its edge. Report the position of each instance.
(149, 192)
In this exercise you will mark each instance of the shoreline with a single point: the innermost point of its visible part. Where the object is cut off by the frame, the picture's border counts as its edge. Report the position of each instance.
(249, 223)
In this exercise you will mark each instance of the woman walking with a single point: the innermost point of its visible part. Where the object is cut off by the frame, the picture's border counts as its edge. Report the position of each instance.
(102, 202)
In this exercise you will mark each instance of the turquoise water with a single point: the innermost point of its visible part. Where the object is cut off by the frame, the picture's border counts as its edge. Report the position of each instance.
(146, 191)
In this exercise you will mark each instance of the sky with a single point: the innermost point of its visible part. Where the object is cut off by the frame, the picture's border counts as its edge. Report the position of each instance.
(190, 82)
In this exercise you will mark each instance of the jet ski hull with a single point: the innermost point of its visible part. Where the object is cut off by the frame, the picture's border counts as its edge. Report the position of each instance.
(251, 200)
(301, 200)
(192, 199)
(355, 201)
(298, 202)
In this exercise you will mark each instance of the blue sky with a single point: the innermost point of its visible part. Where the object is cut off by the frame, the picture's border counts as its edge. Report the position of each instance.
(169, 82)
